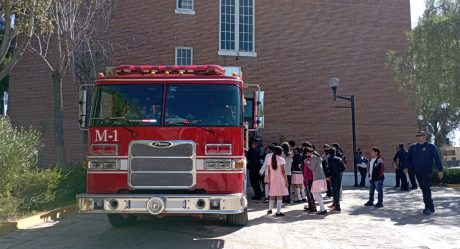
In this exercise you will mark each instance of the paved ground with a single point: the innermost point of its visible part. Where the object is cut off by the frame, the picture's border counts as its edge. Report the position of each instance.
(399, 224)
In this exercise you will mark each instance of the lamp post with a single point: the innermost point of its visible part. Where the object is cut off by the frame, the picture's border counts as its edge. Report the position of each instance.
(334, 83)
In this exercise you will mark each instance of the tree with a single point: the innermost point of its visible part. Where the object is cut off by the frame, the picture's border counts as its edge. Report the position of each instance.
(431, 68)
(74, 24)
(20, 18)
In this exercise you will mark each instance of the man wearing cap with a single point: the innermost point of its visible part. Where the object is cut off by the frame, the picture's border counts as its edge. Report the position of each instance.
(420, 158)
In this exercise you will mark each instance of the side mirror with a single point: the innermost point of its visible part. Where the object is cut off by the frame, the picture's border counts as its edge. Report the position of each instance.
(258, 109)
(82, 106)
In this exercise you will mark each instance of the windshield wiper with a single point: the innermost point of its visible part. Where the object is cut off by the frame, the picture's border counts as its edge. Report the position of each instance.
(123, 124)
(185, 122)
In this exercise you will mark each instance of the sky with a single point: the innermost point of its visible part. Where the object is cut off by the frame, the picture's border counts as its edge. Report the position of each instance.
(416, 9)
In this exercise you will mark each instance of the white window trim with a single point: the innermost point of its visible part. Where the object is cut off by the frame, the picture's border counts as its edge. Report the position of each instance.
(225, 52)
(236, 52)
(185, 11)
(191, 54)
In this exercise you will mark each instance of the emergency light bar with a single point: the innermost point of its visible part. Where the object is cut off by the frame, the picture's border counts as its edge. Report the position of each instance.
(164, 69)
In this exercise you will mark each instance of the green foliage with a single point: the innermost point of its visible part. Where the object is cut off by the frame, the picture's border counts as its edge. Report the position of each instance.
(18, 155)
(19, 151)
(431, 68)
(22, 19)
(23, 186)
(451, 176)
(281, 139)
(35, 188)
(28, 13)
(73, 182)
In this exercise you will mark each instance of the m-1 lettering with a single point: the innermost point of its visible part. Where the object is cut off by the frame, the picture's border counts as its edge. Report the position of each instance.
(103, 136)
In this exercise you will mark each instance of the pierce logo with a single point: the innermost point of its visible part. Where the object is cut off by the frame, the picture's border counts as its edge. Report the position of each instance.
(162, 144)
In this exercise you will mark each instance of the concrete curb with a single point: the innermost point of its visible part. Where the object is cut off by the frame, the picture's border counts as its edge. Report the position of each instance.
(37, 219)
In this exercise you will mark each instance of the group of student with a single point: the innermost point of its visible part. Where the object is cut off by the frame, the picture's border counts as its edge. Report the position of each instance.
(302, 168)
(310, 174)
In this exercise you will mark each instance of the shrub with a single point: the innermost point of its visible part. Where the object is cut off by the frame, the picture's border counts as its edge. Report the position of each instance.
(22, 185)
(451, 176)
(35, 188)
(73, 182)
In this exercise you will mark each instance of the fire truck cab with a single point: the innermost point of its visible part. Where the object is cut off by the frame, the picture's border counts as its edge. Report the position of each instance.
(167, 140)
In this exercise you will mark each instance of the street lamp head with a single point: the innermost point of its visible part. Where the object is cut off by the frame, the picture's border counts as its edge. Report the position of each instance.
(334, 83)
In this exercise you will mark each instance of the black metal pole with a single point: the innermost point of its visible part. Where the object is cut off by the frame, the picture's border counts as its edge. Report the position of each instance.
(353, 127)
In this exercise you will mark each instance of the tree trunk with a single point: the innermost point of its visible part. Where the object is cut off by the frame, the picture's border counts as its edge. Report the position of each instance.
(58, 119)
(439, 140)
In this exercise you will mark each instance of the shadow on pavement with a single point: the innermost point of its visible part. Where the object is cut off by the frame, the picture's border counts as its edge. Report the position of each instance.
(404, 208)
(94, 231)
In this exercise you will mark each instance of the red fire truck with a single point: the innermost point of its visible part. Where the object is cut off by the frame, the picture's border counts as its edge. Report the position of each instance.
(168, 140)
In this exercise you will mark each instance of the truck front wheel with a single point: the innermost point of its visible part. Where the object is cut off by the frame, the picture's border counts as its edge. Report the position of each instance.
(118, 220)
(240, 219)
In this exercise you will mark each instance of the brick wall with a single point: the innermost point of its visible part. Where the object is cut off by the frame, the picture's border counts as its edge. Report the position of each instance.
(299, 45)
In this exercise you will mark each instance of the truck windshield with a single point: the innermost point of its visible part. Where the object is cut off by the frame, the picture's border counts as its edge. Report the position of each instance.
(127, 105)
(203, 105)
(186, 105)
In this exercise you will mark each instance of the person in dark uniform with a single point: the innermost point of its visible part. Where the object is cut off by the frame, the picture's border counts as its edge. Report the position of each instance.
(253, 160)
(335, 170)
(399, 160)
(325, 156)
(420, 158)
(398, 171)
(411, 173)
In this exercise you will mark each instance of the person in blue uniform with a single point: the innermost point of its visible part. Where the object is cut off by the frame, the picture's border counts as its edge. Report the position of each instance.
(421, 157)
(399, 160)
(253, 165)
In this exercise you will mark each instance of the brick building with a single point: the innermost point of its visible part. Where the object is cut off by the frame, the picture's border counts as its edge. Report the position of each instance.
(291, 48)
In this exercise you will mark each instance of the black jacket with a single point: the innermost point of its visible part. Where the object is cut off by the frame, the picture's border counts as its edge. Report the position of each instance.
(253, 159)
(335, 166)
(297, 161)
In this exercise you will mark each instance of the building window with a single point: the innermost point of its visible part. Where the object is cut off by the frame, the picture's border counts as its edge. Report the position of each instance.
(185, 7)
(184, 56)
(237, 28)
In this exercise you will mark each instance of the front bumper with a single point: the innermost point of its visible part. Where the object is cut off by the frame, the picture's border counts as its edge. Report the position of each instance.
(161, 204)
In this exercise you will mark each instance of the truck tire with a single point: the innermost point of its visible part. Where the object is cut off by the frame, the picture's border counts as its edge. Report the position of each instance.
(117, 220)
(240, 219)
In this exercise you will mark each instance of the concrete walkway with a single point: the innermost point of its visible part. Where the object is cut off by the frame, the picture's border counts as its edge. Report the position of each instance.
(400, 224)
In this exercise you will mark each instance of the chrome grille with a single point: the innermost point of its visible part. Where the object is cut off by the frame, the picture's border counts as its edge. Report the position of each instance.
(162, 164)
(145, 149)
(162, 180)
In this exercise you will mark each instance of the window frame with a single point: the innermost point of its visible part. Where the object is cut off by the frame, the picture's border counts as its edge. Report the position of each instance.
(191, 55)
(237, 52)
(185, 11)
